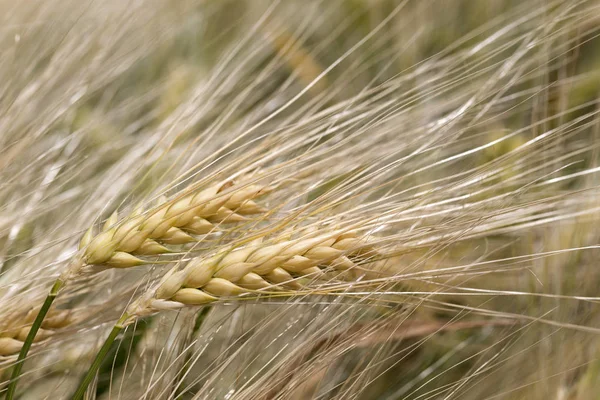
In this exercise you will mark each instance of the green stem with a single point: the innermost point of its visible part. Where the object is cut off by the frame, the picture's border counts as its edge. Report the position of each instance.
(12, 387)
(100, 357)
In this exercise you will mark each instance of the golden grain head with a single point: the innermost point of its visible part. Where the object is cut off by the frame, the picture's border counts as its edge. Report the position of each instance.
(174, 222)
(260, 268)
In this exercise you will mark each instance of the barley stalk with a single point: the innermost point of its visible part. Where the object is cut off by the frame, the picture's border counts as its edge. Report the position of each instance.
(256, 268)
(118, 245)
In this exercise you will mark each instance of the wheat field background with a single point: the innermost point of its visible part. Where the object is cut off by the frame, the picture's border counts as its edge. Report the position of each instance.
(335, 199)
